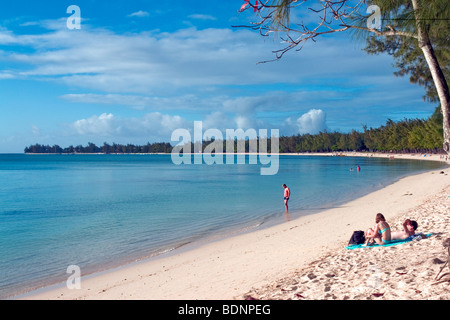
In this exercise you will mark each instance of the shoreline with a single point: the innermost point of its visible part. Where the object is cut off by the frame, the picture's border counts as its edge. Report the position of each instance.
(235, 265)
(392, 156)
(409, 156)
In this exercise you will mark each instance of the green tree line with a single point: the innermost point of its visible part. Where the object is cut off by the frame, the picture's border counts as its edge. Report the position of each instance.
(106, 148)
(410, 136)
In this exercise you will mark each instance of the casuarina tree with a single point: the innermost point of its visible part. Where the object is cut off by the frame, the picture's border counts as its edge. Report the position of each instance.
(415, 32)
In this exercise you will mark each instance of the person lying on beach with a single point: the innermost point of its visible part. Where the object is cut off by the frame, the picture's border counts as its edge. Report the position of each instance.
(409, 232)
(380, 233)
(409, 228)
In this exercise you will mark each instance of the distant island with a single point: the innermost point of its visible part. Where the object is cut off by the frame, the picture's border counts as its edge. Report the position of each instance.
(406, 136)
(106, 148)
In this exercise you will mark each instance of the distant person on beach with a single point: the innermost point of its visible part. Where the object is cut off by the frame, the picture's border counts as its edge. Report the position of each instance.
(287, 194)
(358, 168)
(380, 233)
(409, 229)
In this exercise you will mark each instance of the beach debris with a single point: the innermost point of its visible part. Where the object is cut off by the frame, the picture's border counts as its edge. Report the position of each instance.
(249, 297)
(299, 295)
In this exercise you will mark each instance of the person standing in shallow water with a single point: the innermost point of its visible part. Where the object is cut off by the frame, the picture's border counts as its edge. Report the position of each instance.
(287, 194)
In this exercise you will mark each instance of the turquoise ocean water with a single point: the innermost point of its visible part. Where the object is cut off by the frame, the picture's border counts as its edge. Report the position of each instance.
(101, 211)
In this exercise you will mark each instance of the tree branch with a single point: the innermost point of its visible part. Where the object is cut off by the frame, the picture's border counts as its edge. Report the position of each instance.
(393, 32)
(332, 18)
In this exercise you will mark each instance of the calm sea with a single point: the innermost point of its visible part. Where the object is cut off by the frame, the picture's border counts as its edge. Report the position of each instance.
(101, 211)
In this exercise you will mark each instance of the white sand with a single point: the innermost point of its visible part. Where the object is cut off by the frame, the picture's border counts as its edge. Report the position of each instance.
(415, 270)
(231, 268)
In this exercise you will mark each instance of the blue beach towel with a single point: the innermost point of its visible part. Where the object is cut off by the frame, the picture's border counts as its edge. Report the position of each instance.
(393, 243)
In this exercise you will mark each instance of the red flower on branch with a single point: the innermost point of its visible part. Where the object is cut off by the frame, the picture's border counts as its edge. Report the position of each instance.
(247, 3)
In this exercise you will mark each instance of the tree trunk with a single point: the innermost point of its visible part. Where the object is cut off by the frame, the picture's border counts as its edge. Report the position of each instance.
(442, 89)
(438, 77)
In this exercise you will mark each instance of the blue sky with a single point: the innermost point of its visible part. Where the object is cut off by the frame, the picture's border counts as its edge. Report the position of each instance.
(138, 70)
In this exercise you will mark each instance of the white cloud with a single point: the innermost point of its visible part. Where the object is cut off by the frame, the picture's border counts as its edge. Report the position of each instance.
(153, 126)
(242, 122)
(5, 75)
(137, 102)
(103, 125)
(217, 120)
(252, 104)
(154, 62)
(35, 130)
(210, 72)
(6, 36)
(187, 69)
(139, 14)
(312, 122)
(183, 102)
(202, 17)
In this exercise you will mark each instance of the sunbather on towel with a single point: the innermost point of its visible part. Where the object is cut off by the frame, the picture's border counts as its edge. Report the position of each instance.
(409, 229)
(380, 233)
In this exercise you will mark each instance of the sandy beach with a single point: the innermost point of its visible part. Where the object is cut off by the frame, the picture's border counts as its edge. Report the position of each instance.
(303, 258)
(414, 270)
